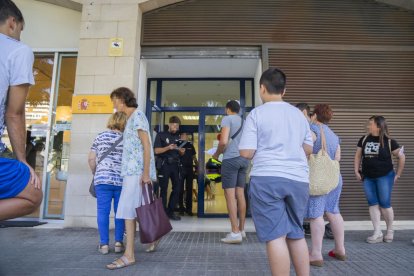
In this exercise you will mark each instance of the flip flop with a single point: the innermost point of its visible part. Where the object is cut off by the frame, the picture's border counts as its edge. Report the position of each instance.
(317, 263)
(337, 256)
(116, 265)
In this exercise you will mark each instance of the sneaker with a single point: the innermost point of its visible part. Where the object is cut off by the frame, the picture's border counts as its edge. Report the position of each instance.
(232, 238)
(103, 249)
(243, 233)
(376, 238)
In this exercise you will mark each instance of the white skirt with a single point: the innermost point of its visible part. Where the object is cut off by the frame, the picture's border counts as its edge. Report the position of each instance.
(131, 197)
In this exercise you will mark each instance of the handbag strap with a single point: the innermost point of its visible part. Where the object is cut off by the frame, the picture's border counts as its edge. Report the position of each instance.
(238, 131)
(148, 196)
(109, 150)
(323, 138)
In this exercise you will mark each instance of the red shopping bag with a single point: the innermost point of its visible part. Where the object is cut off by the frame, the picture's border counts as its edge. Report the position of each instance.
(152, 219)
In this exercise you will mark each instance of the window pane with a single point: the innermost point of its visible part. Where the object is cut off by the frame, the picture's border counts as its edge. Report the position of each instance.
(59, 146)
(199, 93)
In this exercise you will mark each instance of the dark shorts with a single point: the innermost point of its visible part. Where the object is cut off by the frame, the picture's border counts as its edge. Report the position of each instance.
(14, 176)
(278, 206)
(233, 172)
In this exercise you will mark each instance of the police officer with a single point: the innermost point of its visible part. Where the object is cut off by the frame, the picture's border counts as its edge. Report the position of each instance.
(187, 175)
(168, 164)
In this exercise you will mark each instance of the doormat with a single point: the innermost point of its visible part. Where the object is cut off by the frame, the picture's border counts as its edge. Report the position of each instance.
(5, 223)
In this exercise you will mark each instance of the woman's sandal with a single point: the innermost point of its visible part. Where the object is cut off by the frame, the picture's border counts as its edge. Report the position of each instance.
(153, 246)
(376, 238)
(117, 265)
(119, 247)
(317, 263)
(337, 256)
(103, 249)
(389, 237)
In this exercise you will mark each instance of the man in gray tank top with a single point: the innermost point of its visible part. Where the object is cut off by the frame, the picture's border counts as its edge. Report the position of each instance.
(233, 171)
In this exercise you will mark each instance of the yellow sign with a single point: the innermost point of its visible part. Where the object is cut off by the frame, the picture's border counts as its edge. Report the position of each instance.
(116, 47)
(92, 104)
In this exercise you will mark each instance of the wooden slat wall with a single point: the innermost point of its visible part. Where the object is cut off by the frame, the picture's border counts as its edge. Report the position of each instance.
(358, 85)
(253, 22)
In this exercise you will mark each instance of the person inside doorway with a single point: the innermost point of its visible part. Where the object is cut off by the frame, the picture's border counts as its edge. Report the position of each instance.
(188, 160)
(233, 171)
(20, 186)
(168, 164)
(278, 138)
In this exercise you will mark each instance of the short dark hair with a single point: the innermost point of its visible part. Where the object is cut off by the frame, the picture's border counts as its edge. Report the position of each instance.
(304, 106)
(174, 120)
(233, 105)
(8, 8)
(126, 95)
(274, 80)
(323, 113)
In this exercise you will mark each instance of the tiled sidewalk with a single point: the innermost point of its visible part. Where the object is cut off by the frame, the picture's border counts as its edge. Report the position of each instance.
(31, 251)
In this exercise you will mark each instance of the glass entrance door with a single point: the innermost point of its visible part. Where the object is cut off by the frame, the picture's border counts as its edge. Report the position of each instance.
(210, 194)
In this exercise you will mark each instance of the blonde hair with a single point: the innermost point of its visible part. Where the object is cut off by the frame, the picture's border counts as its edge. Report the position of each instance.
(117, 121)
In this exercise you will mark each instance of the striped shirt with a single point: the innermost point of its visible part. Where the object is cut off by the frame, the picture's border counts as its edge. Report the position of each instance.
(108, 170)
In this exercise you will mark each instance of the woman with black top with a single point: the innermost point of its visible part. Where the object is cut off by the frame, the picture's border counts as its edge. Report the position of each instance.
(375, 150)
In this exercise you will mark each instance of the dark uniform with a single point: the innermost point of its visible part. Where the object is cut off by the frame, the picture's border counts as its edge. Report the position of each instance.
(168, 166)
(187, 175)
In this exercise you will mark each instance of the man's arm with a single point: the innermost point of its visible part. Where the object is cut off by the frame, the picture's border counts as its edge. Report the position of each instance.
(16, 126)
(16, 120)
(158, 149)
(224, 140)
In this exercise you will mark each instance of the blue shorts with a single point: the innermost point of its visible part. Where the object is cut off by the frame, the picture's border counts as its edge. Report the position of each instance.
(14, 176)
(278, 206)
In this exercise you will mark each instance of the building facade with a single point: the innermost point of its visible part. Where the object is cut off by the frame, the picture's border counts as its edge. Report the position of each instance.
(187, 58)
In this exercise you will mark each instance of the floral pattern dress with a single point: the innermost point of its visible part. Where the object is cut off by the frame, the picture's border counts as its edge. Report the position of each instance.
(317, 205)
(133, 154)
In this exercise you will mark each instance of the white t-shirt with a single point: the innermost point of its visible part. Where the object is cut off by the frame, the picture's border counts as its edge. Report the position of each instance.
(277, 131)
(16, 68)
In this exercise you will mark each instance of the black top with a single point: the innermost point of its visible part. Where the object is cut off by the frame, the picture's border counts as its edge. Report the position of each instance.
(187, 158)
(376, 160)
(164, 139)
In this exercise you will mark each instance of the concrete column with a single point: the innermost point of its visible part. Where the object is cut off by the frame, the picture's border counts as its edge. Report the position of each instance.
(98, 73)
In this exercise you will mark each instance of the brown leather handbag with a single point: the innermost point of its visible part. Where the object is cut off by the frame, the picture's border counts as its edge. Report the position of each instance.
(152, 219)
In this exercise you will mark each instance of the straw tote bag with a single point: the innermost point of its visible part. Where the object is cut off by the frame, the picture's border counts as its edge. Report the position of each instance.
(323, 171)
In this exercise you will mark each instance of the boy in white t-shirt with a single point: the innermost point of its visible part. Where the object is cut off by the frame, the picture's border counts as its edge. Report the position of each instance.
(277, 137)
(20, 187)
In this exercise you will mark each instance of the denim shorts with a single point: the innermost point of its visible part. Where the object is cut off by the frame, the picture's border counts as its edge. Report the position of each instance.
(278, 206)
(378, 190)
(233, 172)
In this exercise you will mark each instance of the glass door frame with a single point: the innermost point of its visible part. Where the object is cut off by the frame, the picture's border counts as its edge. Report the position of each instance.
(156, 106)
(49, 139)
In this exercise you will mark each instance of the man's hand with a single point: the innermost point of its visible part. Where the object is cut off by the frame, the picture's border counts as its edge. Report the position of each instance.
(172, 146)
(34, 178)
(181, 151)
(215, 156)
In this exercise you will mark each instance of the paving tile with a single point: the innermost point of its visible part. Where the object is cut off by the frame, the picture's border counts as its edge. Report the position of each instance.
(64, 252)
